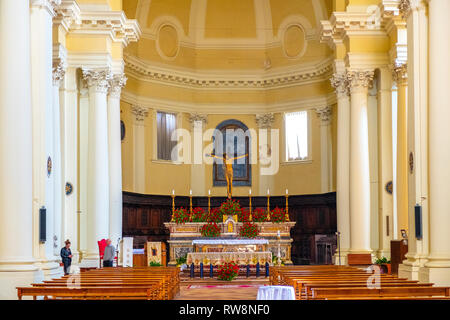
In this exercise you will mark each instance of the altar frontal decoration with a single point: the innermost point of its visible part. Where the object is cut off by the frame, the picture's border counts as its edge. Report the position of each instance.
(248, 230)
(210, 230)
(228, 271)
(278, 215)
(180, 215)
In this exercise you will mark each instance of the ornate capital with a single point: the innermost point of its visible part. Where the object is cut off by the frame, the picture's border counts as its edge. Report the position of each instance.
(117, 82)
(265, 120)
(324, 113)
(400, 73)
(139, 112)
(59, 70)
(99, 79)
(405, 8)
(359, 79)
(339, 83)
(194, 117)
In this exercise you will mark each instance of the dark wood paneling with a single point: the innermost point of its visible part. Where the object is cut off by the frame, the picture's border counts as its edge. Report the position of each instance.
(144, 217)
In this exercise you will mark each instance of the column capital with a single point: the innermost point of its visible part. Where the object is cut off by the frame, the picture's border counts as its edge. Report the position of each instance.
(139, 112)
(59, 71)
(99, 79)
(339, 83)
(265, 120)
(407, 6)
(324, 113)
(194, 117)
(359, 79)
(400, 73)
(117, 82)
(49, 5)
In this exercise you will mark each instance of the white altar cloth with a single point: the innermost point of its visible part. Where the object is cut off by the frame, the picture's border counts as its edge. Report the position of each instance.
(275, 293)
(229, 241)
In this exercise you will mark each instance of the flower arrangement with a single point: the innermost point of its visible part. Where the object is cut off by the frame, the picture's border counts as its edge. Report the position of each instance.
(228, 271)
(180, 215)
(215, 215)
(230, 208)
(199, 215)
(278, 215)
(210, 230)
(244, 215)
(248, 230)
(259, 215)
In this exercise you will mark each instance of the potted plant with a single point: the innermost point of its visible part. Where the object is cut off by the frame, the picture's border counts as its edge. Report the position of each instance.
(385, 265)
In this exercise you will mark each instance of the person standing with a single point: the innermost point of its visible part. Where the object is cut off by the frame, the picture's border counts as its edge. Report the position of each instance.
(109, 254)
(66, 256)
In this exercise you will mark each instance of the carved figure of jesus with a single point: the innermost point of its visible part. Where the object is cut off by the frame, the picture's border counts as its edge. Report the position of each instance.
(228, 169)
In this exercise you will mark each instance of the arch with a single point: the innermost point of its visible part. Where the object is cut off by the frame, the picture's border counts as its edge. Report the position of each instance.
(232, 137)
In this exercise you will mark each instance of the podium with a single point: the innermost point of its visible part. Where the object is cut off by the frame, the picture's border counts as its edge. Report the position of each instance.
(399, 248)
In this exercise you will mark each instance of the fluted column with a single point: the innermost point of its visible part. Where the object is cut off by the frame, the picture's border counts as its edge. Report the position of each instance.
(359, 82)
(140, 113)
(324, 114)
(16, 227)
(416, 15)
(339, 82)
(58, 75)
(437, 269)
(97, 166)
(115, 158)
(401, 78)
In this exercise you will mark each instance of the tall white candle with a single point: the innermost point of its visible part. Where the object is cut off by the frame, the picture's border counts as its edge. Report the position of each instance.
(173, 192)
(250, 192)
(209, 192)
(287, 191)
(268, 191)
(190, 192)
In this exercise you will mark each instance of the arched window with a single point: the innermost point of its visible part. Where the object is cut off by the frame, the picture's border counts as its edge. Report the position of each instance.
(232, 137)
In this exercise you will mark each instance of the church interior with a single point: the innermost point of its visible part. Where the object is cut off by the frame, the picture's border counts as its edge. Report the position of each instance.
(300, 144)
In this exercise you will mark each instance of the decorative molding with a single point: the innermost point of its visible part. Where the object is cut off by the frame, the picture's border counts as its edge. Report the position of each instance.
(59, 71)
(359, 79)
(400, 73)
(112, 23)
(194, 117)
(405, 8)
(117, 82)
(339, 83)
(99, 79)
(139, 112)
(49, 5)
(142, 70)
(324, 113)
(265, 120)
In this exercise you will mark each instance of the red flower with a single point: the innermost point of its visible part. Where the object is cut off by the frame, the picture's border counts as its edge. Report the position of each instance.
(278, 215)
(199, 215)
(180, 215)
(248, 230)
(210, 229)
(259, 215)
(244, 215)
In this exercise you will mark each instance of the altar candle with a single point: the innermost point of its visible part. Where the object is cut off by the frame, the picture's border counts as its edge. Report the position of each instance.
(209, 192)
(287, 191)
(190, 192)
(268, 191)
(173, 192)
(250, 192)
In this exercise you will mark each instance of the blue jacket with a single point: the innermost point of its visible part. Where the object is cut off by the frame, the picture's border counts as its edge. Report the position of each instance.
(65, 253)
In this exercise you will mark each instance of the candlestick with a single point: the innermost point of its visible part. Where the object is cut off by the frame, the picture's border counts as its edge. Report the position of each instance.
(209, 201)
(268, 205)
(190, 205)
(173, 203)
(250, 204)
(287, 207)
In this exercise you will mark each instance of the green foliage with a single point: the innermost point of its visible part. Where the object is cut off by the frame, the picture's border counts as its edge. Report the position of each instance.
(154, 264)
(181, 260)
(382, 260)
(210, 230)
(230, 208)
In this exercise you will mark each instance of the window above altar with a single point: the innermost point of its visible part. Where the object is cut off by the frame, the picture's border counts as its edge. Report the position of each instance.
(296, 136)
(166, 131)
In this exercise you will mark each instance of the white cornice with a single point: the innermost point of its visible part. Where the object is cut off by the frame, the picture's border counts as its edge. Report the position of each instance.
(228, 108)
(112, 23)
(220, 79)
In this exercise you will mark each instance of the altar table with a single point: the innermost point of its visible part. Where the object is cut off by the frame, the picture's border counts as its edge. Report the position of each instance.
(220, 257)
(275, 293)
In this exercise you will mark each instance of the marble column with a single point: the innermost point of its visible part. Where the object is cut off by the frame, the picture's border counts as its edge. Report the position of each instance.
(198, 180)
(401, 78)
(359, 82)
(324, 114)
(42, 13)
(385, 161)
(437, 269)
(416, 15)
(58, 75)
(339, 82)
(115, 158)
(16, 228)
(98, 163)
